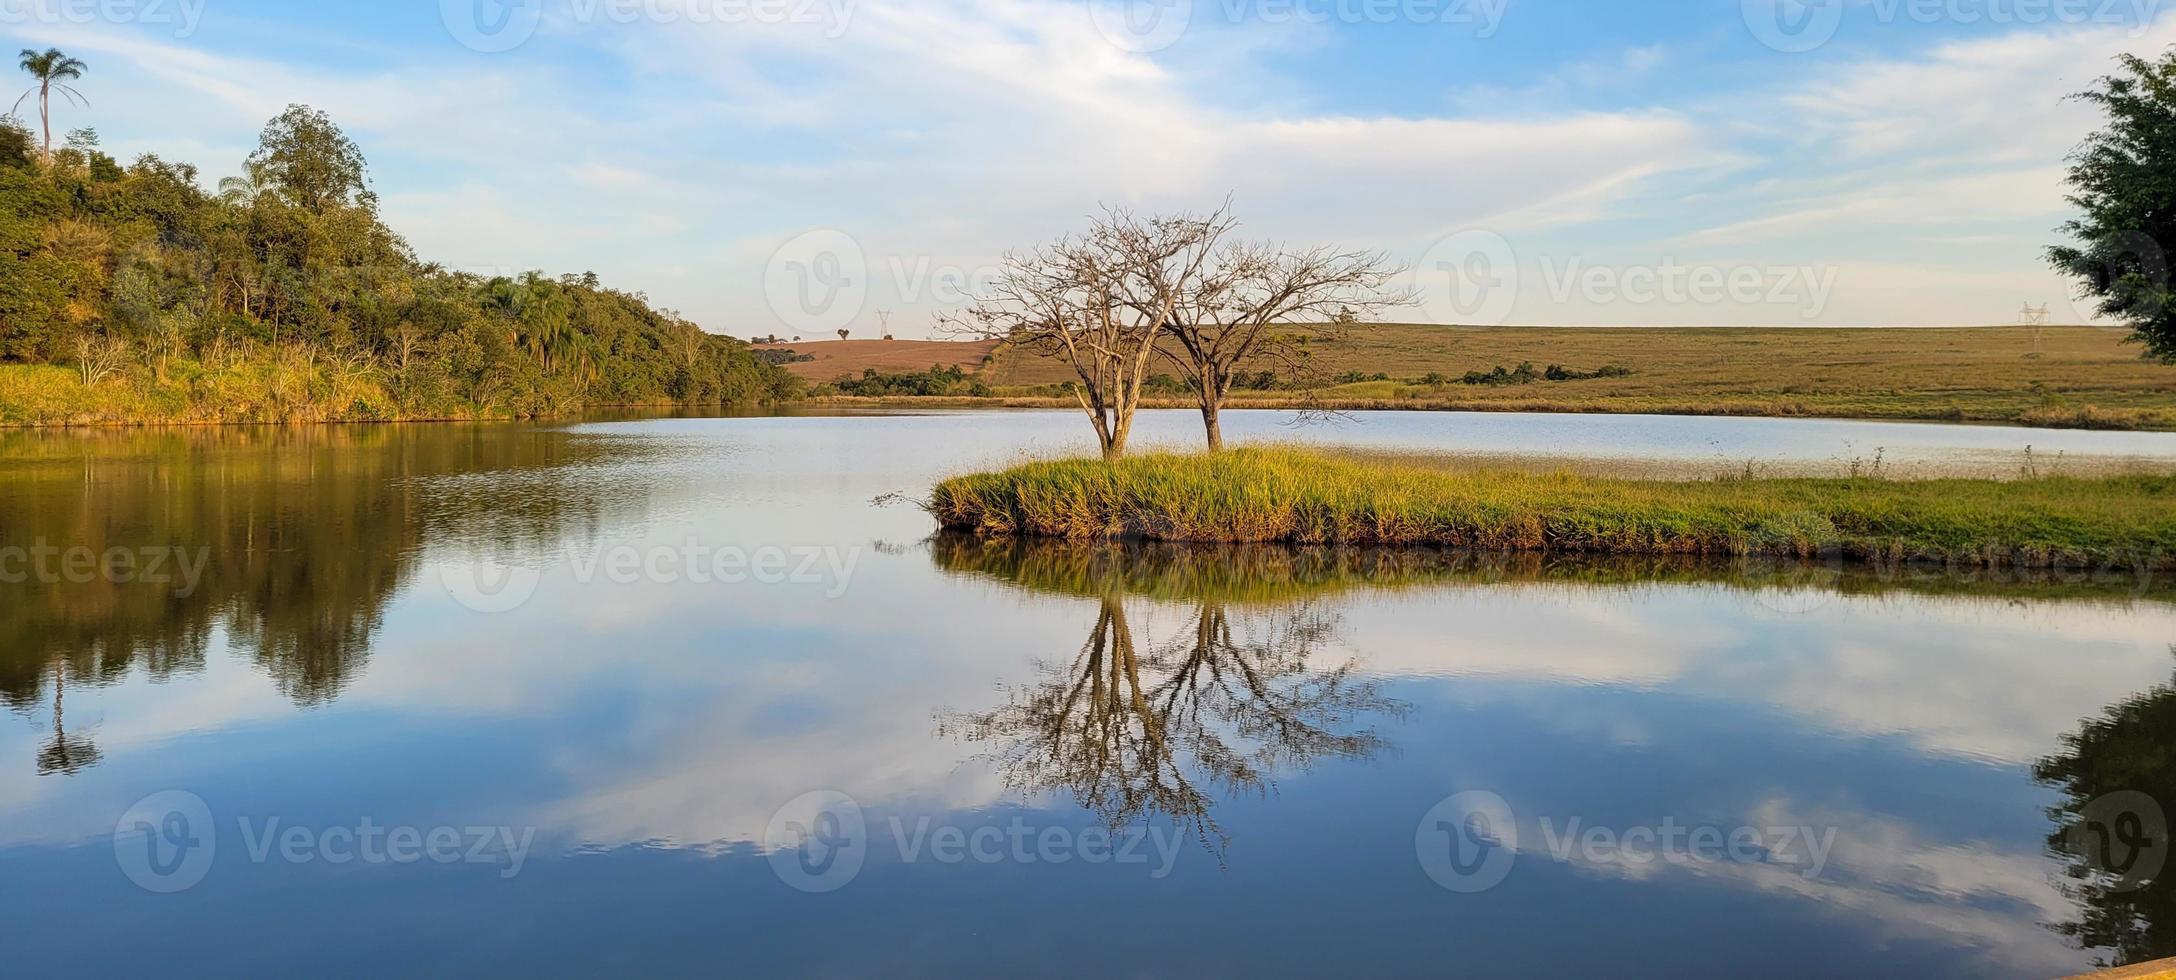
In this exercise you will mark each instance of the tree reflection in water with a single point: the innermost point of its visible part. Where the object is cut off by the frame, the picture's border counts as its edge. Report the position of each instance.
(66, 754)
(1136, 731)
(2130, 747)
(303, 537)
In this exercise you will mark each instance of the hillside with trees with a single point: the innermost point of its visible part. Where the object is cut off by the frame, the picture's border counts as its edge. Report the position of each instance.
(135, 293)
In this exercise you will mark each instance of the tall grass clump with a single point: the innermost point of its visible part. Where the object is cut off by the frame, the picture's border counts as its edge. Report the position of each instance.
(1294, 496)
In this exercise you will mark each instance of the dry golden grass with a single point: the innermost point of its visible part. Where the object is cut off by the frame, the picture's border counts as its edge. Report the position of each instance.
(2057, 376)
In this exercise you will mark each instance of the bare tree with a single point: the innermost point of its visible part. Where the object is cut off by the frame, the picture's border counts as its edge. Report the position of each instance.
(99, 357)
(690, 339)
(1098, 301)
(405, 342)
(1256, 301)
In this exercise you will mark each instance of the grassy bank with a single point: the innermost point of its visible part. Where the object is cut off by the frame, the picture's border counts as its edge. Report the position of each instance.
(1285, 495)
(286, 389)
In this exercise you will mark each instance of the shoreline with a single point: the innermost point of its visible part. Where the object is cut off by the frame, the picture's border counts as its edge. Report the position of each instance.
(2097, 420)
(418, 420)
(2103, 420)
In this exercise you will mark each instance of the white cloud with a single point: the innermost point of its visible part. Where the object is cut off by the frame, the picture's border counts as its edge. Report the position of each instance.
(961, 128)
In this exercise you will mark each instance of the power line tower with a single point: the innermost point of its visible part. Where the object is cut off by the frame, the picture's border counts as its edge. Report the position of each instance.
(2035, 317)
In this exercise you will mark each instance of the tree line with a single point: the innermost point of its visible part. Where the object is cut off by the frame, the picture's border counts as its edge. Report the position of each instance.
(287, 278)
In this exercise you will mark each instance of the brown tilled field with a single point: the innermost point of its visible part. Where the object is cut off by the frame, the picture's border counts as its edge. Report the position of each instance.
(1725, 361)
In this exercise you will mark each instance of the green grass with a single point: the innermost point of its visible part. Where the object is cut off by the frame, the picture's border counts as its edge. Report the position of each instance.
(1294, 496)
(191, 392)
(268, 387)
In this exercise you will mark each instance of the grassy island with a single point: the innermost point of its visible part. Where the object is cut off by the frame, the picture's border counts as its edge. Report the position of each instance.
(1295, 496)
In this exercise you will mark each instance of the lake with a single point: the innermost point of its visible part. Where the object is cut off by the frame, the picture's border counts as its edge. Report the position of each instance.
(701, 695)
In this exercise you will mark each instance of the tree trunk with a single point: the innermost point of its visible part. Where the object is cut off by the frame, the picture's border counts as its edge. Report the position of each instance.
(1214, 424)
(1128, 402)
(1114, 446)
(45, 118)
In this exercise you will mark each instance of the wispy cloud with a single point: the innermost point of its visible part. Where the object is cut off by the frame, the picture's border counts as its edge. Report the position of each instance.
(673, 156)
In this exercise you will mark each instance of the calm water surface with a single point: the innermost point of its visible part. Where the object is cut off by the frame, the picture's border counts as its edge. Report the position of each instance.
(687, 696)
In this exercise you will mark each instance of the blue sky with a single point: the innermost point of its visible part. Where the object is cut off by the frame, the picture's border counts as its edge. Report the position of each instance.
(1868, 163)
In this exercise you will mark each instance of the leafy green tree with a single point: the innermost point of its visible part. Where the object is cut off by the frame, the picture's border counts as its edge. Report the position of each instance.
(2123, 178)
(18, 148)
(54, 71)
(303, 155)
(286, 297)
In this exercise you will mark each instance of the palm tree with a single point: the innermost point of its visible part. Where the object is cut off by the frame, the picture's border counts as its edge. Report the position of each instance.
(245, 190)
(53, 70)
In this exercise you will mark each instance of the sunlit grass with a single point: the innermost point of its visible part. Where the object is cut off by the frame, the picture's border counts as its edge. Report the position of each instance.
(2068, 377)
(1290, 495)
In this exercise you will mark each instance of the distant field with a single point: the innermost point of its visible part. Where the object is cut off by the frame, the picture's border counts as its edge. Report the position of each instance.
(2064, 376)
(837, 359)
